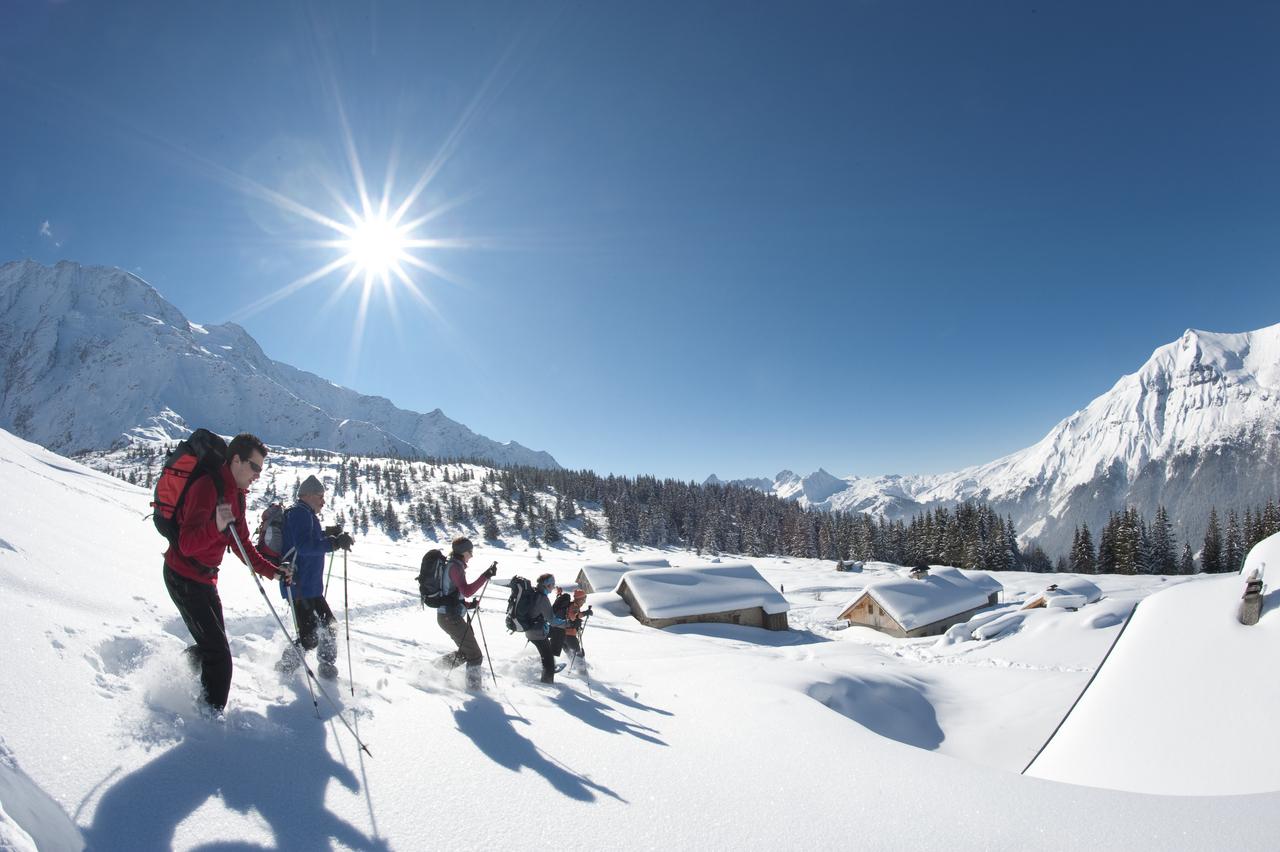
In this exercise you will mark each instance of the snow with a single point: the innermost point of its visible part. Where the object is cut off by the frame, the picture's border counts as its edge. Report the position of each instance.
(604, 576)
(1183, 703)
(916, 603)
(681, 738)
(682, 592)
(1193, 397)
(1069, 592)
(93, 354)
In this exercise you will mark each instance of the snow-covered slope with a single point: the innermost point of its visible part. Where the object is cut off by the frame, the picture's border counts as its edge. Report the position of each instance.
(703, 736)
(1181, 666)
(91, 354)
(1197, 425)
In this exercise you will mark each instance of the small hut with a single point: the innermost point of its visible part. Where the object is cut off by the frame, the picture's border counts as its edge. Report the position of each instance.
(604, 576)
(1068, 593)
(728, 593)
(923, 604)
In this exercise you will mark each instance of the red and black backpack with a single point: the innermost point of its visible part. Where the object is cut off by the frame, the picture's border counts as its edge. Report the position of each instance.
(201, 454)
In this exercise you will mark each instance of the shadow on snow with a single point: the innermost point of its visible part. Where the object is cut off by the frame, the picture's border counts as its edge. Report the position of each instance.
(487, 724)
(281, 772)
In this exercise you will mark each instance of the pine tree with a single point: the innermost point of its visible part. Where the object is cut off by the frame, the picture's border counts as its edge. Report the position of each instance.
(1163, 546)
(1233, 551)
(1211, 557)
(1188, 563)
(1083, 559)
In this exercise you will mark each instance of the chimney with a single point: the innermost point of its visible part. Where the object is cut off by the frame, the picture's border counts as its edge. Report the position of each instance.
(920, 572)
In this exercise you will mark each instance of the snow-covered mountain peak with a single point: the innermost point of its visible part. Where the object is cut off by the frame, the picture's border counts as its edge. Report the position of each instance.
(1140, 443)
(92, 355)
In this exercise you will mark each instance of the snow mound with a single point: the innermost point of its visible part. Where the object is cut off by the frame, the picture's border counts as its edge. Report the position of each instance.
(1184, 701)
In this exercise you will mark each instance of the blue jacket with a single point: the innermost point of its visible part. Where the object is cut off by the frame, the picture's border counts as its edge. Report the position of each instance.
(303, 536)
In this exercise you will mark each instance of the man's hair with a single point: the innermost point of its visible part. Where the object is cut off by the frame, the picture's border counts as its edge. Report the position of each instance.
(243, 445)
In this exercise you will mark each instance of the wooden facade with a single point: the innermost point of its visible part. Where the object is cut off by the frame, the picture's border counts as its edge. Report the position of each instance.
(868, 612)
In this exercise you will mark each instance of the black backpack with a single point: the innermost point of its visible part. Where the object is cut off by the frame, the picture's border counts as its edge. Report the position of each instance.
(201, 454)
(433, 580)
(560, 607)
(520, 603)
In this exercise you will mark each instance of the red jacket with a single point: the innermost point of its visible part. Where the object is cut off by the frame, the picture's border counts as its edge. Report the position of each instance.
(198, 536)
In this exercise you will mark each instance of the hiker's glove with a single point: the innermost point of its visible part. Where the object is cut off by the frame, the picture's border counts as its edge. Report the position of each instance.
(471, 604)
(343, 541)
(492, 570)
(285, 572)
(588, 611)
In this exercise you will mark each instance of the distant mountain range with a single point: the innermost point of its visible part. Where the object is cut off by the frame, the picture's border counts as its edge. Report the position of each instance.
(93, 356)
(1197, 425)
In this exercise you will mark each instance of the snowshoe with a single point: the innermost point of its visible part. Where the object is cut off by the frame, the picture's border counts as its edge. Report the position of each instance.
(327, 670)
(289, 661)
(450, 661)
(559, 667)
(1251, 602)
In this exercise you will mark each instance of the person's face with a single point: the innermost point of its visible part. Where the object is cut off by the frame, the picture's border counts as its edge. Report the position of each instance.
(466, 556)
(246, 471)
(315, 500)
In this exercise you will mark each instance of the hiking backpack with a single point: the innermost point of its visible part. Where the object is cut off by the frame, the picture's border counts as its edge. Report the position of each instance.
(520, 603)
(201, 454)
(270, 536)
(560, 608)
(433, 580)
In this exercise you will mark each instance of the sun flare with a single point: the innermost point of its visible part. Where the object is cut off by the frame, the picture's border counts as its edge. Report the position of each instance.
(375, 245)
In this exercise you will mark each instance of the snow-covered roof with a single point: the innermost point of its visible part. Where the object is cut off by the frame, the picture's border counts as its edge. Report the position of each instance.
(1069, 592)
(680, 592)
(981, 579)
(915, 603)
(604, 576)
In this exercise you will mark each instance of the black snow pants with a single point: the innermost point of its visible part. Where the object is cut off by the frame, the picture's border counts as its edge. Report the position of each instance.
(201, 610)
(316, 628)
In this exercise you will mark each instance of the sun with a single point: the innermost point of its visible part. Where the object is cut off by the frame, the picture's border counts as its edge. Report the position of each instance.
(375, 246)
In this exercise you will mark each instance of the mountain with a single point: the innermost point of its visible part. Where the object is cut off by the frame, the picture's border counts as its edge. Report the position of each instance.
(1197, 425)
(92, 356)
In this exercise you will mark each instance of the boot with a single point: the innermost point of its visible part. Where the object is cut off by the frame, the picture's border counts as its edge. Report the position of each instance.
(475, 677)
(327, 670)
(548, 675)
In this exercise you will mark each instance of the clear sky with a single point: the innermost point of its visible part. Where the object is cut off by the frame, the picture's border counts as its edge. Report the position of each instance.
(686, 238)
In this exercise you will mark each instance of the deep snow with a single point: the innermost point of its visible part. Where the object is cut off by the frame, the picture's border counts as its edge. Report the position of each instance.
(709, 736)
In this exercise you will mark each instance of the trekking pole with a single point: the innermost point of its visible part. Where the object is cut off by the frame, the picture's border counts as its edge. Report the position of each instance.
(346, 619)
(297, 649)
(480, 621)
(328, 575)
(245, 556)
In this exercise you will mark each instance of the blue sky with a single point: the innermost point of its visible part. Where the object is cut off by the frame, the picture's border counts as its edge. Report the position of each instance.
(881, 237)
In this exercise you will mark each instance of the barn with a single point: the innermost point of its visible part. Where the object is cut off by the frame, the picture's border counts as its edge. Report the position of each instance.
(1069, 593)
(604, 576)
(729, 593)
(925, 603)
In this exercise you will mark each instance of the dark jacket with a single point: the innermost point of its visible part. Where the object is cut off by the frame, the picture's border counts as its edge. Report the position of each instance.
(542, 607)
(198, 536)
(306, 544)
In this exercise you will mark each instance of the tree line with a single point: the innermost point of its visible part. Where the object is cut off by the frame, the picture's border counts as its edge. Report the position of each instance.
(1129, 544)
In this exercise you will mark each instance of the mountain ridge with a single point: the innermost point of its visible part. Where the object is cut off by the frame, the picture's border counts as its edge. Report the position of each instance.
(72, 339)
(1198, 424)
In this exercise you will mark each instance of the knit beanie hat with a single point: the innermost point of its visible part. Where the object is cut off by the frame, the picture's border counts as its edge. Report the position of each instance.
(310, 485)
(461, 545)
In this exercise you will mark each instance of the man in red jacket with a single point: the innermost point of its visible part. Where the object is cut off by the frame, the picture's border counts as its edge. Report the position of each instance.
(191, 569)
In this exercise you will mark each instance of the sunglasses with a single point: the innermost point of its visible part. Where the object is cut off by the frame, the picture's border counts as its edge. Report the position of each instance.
(257, 468)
